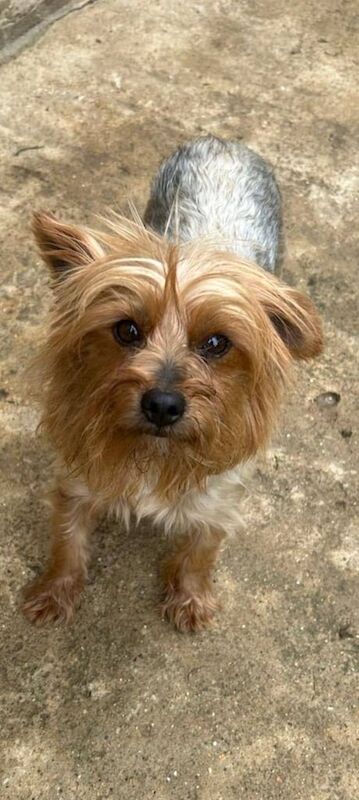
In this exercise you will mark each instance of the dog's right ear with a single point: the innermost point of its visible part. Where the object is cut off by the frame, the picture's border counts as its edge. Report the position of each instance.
(62, 246)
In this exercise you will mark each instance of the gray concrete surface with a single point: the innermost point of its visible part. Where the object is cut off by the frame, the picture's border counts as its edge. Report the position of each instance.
(264, 706)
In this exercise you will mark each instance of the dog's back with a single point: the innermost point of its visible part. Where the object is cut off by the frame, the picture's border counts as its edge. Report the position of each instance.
(221, 189)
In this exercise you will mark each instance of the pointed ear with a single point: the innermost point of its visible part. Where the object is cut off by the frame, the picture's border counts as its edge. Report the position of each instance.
(64, 246)
(296, 321)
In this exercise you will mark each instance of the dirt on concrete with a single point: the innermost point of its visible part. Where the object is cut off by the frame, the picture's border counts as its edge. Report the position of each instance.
(264, 706)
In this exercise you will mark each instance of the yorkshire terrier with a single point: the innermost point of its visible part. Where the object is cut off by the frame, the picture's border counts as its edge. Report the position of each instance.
(169, 345)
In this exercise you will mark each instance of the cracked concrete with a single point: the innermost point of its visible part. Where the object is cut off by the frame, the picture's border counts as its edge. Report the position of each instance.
(264, 706)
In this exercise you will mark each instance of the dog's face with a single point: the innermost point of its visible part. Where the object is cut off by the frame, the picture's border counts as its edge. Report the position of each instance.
(170, 355)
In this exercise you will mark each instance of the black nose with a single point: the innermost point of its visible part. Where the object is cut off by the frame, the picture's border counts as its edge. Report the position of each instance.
(162, 408)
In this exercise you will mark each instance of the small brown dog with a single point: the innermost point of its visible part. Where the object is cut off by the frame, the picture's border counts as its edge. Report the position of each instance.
(163, 369)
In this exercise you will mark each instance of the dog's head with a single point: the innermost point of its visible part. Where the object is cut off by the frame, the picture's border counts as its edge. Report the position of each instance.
(164, 356)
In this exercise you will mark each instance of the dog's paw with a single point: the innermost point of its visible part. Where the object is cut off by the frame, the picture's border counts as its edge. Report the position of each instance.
(51, 600)
(189, 612)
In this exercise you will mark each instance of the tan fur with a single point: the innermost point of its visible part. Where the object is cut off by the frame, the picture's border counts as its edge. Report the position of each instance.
(92, 389)
(188, 600)
(55, 595)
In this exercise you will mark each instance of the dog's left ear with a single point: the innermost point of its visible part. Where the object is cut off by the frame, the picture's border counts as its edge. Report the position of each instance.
(63, 246)
(296, 321)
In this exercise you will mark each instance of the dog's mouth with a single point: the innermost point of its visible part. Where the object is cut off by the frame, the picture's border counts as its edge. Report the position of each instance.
(159, 433)
(180, 431)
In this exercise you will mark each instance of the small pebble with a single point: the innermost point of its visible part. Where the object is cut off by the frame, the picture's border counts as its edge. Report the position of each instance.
(346, 631)
(327, 399)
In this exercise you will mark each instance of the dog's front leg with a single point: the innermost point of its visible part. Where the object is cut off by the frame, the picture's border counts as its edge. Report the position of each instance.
(189, 601)
(55, 595)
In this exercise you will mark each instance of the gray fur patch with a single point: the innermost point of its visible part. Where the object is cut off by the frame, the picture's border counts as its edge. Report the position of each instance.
(221, 189)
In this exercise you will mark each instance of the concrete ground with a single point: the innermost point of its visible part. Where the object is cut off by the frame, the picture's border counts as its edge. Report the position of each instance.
(119, 705)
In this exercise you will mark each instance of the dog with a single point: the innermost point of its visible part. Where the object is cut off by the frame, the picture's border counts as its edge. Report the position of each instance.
(168, 349)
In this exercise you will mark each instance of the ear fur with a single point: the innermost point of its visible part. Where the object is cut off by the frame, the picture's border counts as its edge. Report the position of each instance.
(63, 246)
(296, 321)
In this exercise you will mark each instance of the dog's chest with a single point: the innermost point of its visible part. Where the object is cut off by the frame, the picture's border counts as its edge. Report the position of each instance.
(215, 506)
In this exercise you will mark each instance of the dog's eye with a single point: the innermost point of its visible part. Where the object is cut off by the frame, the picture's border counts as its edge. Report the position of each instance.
(215, 346)
(126, 332)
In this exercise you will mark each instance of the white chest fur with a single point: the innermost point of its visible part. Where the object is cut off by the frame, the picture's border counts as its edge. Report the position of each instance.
(216, 506)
